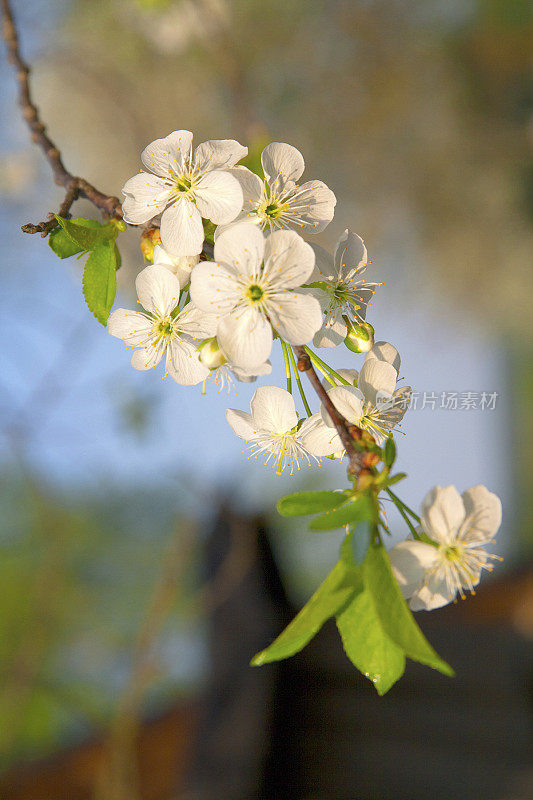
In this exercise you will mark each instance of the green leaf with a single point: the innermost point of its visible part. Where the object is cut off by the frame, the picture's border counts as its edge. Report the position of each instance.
(366, 643)
(395, 479)
(87, 233)
(349, 513)
(99, 280)
(302, 503)
(62, 244)
(360, 542)
(118, 258)
(389, 452)
(317, 285)
(330, 598)
(395, 616)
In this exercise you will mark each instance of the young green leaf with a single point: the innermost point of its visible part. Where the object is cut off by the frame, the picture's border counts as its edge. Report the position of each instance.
(330, 598)
(366, 643)
(87, 233)
(349, 513)
(395, 616)
(302, 503)
(62, 244)
(389, 452)
(99, 280)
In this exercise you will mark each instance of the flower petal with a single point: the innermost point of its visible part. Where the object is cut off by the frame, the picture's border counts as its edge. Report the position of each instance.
(409, 561)
(218, 197)
(182, 232)
(251, 184)
(197, 323)
(158, 290)
(242, 423)
(273, 410)
(183, 364)
(434, 594)
(170, 152)
(483, 514)
(348, 400)
(324, 267)
(289, 261)
(377, 381)
(146, 196)
(384, 351)
(245, 337)
(218, 154)
(318, 438)
(314, 204)
(442, 512)
(333, 331)
(213, 288)
(241, 246)
(130, 326)
(280, 160)
(181, 266)
(295, 315)
(148, 357)
(350, 254)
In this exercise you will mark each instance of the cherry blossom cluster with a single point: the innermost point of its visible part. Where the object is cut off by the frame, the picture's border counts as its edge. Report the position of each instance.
(231, 274)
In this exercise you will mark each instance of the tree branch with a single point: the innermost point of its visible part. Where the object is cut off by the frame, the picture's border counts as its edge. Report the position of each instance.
(346, 431)
(74, 186)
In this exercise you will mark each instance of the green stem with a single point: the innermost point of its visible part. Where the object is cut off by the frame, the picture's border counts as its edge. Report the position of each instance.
(405, 506)
(287, 365)
(399, 505)
(323, 366)
(299, 382)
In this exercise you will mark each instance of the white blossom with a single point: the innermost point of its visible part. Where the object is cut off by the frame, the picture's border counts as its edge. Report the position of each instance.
(184, 186)
(271, 429)
(253, 287)
(371, 401)
(279, 201)
(159, 331)
(461, 526)
(181, 266)
(342, 290)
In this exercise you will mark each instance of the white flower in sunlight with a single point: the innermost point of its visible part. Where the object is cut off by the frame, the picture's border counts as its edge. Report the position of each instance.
(253, 288)
(160, 331)
(272, 428)
(181, 266)
(371, 401)
(430, 576)
(279, 201)
(184, 187)
(342, 291)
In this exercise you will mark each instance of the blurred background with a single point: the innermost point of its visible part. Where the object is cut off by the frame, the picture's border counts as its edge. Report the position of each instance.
(132, 528)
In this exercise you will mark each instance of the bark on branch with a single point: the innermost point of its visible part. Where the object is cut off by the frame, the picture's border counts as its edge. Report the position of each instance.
(74, 186)
(346, 431)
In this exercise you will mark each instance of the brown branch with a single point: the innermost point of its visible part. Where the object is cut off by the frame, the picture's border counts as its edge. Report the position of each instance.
(74, 186)
(346, 431)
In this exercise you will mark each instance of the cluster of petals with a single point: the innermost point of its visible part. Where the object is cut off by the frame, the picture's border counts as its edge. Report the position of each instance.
(184, 185)
(272, 429)
(253, 288)
(460, 527)
(160, 331)
(370, 401)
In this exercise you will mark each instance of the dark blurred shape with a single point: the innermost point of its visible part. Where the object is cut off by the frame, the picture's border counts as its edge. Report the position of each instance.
(312, 727)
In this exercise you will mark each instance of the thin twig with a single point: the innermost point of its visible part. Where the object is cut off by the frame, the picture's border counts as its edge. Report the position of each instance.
(74, 186)
(345, 429)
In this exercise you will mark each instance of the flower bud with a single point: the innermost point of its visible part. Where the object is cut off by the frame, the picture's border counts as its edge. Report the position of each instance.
(210, 354)
(360, 336)
(149, 239)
